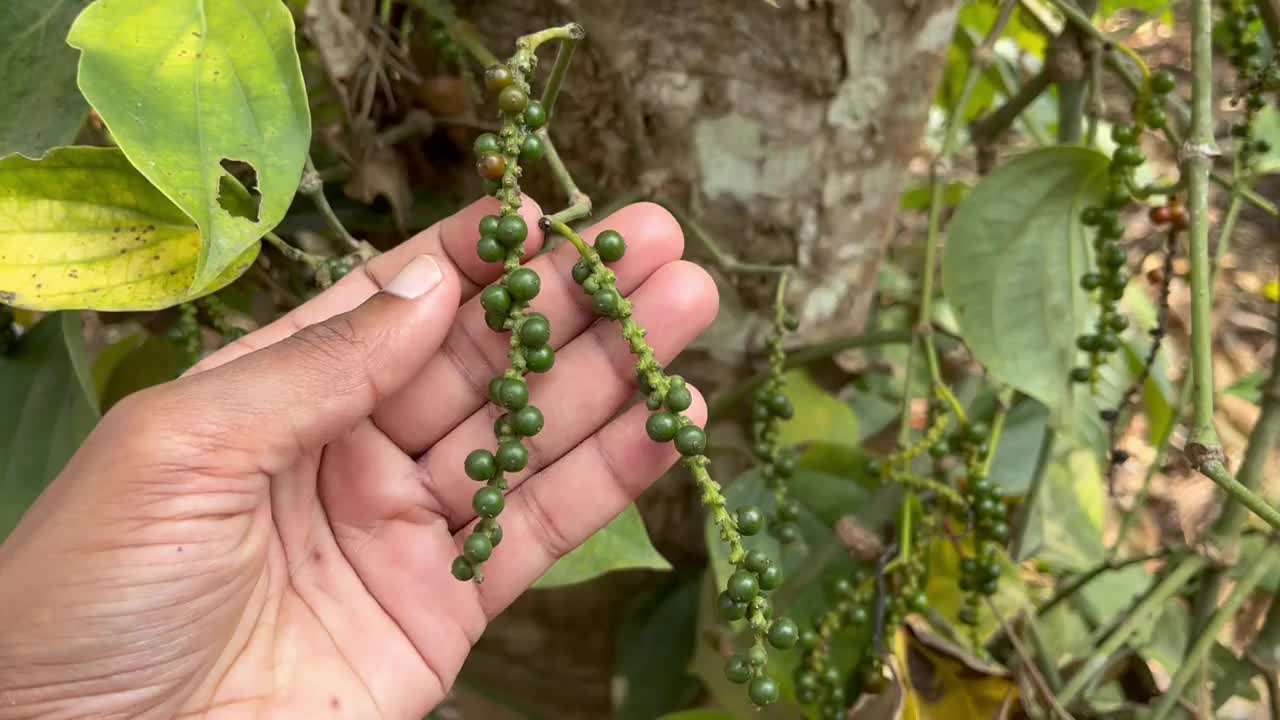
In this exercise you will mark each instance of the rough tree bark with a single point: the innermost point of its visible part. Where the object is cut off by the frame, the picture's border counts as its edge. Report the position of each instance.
(786, 133)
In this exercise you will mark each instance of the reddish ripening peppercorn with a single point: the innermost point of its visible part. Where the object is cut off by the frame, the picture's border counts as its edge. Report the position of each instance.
(491, 167)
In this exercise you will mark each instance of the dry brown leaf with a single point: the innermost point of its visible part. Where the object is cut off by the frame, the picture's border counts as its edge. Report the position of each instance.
(382, 173)
(336, 37)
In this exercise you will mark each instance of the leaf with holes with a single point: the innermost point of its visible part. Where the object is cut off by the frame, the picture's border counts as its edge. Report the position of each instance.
(81, 228)
(623, 544)
(195, 91)
(43, 107)
(46, 388)
(1015, 251)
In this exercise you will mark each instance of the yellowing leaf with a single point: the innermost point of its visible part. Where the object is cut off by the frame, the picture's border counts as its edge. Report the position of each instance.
(940, 687)
(946, 598)
(819, 416)
(191, 88)
(1272, 291)
(81, 228)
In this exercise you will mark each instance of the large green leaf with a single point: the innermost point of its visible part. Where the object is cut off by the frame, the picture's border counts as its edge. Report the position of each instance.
(1065, 527)
(1014, 253)
(153, 362)
(655, 645)
(47, 393)
(82, 229)
(42, 107)
(819, 415)
(623, 544)
(188, 85)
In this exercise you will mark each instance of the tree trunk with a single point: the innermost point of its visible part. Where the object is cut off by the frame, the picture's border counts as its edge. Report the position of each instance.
(785, 134)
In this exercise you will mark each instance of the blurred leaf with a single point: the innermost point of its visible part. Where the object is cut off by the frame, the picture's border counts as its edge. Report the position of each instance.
(47, 391)
(82, 228)
(655, 647)
(918, 198)
(940, 687)
(1015, 457)
(211, 83)
(1014, 252)
(109, 358)
(43, 107)
(1065, 527)
(154, 362)
(819, 415)
(1158, 394)
(1248, 387)
(702, 714)
(946, 598)
(1152, 7)
(623, 544)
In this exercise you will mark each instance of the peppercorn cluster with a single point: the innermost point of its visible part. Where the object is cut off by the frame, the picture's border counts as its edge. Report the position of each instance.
(818, 680)
(1239, 33)
(745, 595)
(1107, 281)
(506, 308)
(185, 334)
(770, 408)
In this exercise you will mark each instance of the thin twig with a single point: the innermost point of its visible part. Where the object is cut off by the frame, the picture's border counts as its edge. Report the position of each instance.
(1078, 581)
(313, 187)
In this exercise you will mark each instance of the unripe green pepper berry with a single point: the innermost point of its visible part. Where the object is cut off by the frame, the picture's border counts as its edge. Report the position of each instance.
(783, 633)
(757, 656)
(502, 425)
(497, 322)
(691, 440)
(1081, 374)
(1117, 323)
(524, 284)
(763, 690)
(536, 331)
(532, 149)
(462, 569)
(610, 246)
(491, 530)
(489, 223)
(749, 520)
(512, 230)
(756, 560)
(1129, 155)
(1090, 281)
(512, 100)
(498, 78)
(1000, 532)
(730, 609)
(786, 532)
(858, 615)
(495, 299)
(581, 272)
(737, 669)
(918, 602)
(771, 577)
(678, 398)
(490, 250)
(535, 115)
(488, 502)
(540, 359)
(514, 394)
(1124, 134)
(662, 426)
(480, 465)
(477, 548)
(591, 286)
(605, 301)
(742, 586)
(1162, 82)
(495, 389)
(512, 455)
(486, 144)
(527, 421)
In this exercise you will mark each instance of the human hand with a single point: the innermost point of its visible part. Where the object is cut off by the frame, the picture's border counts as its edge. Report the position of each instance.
(271, 535)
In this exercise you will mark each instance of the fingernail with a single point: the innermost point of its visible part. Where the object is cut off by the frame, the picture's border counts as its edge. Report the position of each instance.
(416, 279)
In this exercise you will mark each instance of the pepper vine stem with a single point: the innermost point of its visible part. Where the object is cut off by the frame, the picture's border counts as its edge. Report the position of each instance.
(312, 186)
(460, 30)
(314, 262)
(564, 56)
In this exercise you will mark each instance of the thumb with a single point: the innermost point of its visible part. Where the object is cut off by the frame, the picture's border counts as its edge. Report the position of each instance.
(299, 394)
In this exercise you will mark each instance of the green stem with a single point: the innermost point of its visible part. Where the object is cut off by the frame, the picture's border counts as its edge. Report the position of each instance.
(1071, 93)
(460, 30)
(1164, 592)
(722, 257)
(314, 262)
(1022, 523)
(1197, 153)
(579, 202)
(1207, 638)
(1218, 473)
(564, 56)
(1073, 585)
(313, 187)
(989, 129)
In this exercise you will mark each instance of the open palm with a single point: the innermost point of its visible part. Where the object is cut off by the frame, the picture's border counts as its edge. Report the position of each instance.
(271, 535)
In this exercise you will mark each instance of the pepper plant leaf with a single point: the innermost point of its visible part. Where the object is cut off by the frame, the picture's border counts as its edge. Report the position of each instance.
(43, 108)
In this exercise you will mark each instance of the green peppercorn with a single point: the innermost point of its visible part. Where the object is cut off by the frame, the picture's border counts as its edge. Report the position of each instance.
(1090, 281)
(742, 586)
(1162, 82)
(495, 299)
(606, 301)
(462, 569)
(512, 456)
(691, 440)
(488, 501)
(512, 230)
(1108, 343)
(497, 322)
(1087, 343)
(1091, 216)
(969, 616)
(918, 601)
(1129, 155)
(491, 530)
(749, 520)
(512, 100)
(532, 149)
(756, 560)
(783, 633)
(480, 465)
(514, 394)
(763, 690)
(495, 389)
(662, 426)
(498, 78)
(770, 577)
(540, 359)
(490, 250)
(1117, 323)
(536, 331)
(610, 246)
(491, 187)
(477, 548)
(678, 398)
(737, 669)
(730, 609)
(581, 271)
(1124, 135)
(789, 510)
(491, 167)
(486, 144)
(786, 532)
(809, 640)
(1081, 374)
(1000, 531)
(1117, 198)
(786, 464)
(527, 421)
(524, 284)
(535, 115)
